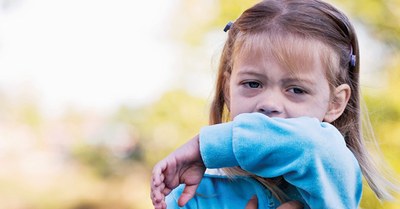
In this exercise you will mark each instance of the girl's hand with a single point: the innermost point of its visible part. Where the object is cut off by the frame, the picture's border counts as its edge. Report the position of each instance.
(183, 166)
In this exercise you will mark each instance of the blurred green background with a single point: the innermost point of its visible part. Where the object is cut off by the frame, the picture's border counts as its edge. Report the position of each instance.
(94, 93)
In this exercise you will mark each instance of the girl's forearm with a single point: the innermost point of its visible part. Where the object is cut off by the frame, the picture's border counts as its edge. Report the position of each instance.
(310, 155)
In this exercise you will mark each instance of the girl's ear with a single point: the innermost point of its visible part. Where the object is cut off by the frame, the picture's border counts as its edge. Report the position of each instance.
(340, 98)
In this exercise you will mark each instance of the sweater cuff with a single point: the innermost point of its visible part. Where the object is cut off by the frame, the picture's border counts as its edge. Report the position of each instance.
(216, 146)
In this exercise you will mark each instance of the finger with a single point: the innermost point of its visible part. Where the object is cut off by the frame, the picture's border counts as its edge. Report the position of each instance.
(187, 194)
(253, 203)
(166, 191)
(153, 184)
(171, 174)
(157, 175)
(294, 204)
(157, 179)
(158, 204)
(157, 195)
(152, 194)
(162, 205)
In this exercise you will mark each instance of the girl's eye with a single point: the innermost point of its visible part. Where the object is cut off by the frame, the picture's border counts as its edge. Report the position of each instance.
(296, 90)
(253, 84)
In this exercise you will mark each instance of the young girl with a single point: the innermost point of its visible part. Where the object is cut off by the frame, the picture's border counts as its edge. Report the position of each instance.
(285, 119)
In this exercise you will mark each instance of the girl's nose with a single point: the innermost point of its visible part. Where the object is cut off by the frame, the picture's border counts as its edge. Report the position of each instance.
(270, 106)
(270, 112)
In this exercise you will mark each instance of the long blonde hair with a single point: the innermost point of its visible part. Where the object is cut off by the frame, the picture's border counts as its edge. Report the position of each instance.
(307, 20)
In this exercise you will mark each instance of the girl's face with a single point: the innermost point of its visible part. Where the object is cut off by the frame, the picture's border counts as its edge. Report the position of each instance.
(259, 84)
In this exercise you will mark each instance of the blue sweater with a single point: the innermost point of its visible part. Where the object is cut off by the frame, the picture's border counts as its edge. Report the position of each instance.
(311, 156)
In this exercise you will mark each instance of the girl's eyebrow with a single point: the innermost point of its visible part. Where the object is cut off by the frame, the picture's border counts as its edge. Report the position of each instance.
(292, 79)
(301, 80)
(250, 71)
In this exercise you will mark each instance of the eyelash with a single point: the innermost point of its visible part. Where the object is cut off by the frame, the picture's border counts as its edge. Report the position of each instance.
(250, 84)
(294, 89)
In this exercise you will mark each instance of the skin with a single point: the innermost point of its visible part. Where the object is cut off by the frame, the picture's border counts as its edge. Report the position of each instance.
(256, 84)
(264, 85)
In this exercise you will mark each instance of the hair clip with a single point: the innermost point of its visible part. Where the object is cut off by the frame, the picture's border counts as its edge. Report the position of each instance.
(353, 57)
(353, 60)
(228, 26)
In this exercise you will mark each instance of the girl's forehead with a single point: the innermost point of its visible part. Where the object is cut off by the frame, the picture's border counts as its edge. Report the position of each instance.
(294, 53)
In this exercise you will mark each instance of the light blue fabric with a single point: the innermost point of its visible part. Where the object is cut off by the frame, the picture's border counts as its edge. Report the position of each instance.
(219, 192)
(310, 155)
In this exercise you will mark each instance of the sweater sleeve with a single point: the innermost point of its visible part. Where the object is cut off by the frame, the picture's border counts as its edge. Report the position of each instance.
(309, 154)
